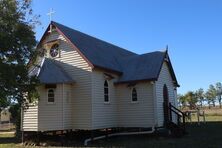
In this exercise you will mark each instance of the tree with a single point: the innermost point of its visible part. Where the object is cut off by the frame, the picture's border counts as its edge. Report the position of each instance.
(219, 92)
(191, 99)
(182, 100)
(17, 46)
(213, 93)
(208, 98)
(200, 96)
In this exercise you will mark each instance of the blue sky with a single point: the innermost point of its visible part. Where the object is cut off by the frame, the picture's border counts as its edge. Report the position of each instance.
(191, 28)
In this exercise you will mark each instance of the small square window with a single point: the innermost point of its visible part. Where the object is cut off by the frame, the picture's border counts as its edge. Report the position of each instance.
(134, 95)
(51, 96)
(106, 91)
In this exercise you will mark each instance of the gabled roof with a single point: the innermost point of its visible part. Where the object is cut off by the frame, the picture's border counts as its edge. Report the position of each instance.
(49, 72)
(100, 54)
(142, 67)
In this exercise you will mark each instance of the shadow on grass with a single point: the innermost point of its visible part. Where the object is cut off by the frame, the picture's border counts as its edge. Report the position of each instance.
(199, 136)
(9, 140)
(8, 137)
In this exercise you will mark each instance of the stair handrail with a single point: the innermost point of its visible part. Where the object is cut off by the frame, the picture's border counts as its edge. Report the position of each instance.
(170, 105)
(178, 112)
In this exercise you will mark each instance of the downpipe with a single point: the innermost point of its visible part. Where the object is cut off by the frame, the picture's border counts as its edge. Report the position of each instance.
(118, 134)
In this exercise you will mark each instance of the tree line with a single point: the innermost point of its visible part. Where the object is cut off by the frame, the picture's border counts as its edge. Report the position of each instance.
(198, 98)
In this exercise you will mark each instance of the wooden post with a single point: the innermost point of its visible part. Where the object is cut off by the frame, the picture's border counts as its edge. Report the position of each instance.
(204, 119)
(22, 137)
(190, 116)
(38, 138)
(198, 116)
(170, 112)
(184, 126)
(92, 135)
(106, 133)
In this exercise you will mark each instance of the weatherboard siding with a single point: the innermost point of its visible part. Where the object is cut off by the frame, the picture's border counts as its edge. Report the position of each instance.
(164, 78)
(104, 115)
(50, 114)
(57, 115)
(135, 114)
(67, 108)
(81, 105)
(80, 71)
(30, 118)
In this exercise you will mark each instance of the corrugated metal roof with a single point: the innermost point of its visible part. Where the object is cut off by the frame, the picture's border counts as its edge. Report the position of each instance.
(98, 52)
(49, 72)
(132, 66)
(142, 67)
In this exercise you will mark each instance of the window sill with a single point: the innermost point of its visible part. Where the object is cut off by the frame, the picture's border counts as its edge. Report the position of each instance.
(134, 102)
(50, 103)
(107, 103)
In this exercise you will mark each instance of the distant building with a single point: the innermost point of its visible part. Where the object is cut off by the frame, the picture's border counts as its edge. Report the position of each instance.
(5, 116)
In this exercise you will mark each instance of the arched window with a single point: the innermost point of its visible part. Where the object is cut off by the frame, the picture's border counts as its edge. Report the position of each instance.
(51, 96)
(134, 95)
(106, 91)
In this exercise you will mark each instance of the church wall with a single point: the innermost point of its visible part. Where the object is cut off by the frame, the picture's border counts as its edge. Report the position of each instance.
(30, 119)
(135, 114)
(104, 114)
(164, 78)
(57, 115)
(80, 71)
(81, 105)
(50, 114)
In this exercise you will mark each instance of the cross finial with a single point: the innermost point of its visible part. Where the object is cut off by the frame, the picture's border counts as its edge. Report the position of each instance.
(51, 12)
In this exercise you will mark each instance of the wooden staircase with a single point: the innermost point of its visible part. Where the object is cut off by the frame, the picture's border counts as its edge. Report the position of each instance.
(177, 129)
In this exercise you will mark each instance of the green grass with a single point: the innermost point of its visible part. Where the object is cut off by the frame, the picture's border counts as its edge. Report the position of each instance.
(208, 118)
(7, 140)
(204, 136)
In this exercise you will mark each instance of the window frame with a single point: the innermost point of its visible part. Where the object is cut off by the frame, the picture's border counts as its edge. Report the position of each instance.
(52, 46)
(48, 95)
(132, 101)
(106, 94)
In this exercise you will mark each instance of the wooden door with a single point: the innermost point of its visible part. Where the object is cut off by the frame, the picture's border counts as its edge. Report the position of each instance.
(165, 104)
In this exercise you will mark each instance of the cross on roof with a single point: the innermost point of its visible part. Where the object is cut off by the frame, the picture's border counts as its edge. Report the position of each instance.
(51, 12)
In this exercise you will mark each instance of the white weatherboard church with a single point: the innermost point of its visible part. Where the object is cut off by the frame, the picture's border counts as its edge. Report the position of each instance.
(89, 84)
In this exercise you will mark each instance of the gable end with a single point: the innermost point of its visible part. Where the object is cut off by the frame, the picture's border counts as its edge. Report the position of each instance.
(68, 41)
(167, 60)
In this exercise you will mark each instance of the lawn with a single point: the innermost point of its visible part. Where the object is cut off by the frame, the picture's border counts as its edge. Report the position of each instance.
(206, 135)
(7, 140)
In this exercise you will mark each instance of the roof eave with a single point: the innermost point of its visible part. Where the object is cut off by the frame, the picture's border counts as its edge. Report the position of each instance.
(135, 81)
(68, 82)
(108, 69)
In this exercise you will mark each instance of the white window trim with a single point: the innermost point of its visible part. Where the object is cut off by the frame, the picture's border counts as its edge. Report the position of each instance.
(106, 102)
(48, 95)
(131, 96)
